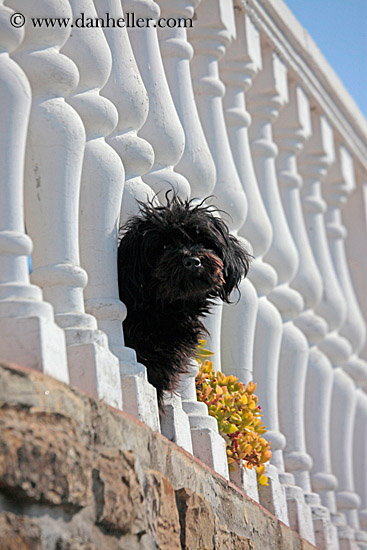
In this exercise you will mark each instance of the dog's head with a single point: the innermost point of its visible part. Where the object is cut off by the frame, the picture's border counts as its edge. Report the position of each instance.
(179, 252)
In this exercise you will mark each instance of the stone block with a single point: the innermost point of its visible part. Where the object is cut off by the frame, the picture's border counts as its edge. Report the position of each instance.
(226, 540)
(223, 539)
(41, 458)
(161, 510)
(17, 533)
(196, 519)
(241, 543)
(118, 494)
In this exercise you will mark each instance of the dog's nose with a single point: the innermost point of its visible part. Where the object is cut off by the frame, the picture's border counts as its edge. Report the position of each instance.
(192, 263)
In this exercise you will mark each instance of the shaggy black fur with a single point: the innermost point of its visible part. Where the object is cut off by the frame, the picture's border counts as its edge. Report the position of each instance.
(173, 260)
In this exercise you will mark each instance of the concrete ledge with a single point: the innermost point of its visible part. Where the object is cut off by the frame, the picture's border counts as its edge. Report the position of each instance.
(76, 474)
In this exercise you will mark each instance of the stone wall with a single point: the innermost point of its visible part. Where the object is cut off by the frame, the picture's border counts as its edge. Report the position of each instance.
(76, 474)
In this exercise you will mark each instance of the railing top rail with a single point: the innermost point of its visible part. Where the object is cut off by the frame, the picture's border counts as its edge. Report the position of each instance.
(304, 58)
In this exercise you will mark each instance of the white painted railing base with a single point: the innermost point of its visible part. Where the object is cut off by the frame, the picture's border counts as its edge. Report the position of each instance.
(246, 480)
(34, 342)
(140, 400)
(207, 444)
(273, 496)
(326, 535)
(299, 513)
(95, 370)
(175, 423)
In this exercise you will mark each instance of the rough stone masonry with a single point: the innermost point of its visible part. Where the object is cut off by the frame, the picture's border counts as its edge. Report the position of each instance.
(76, 474)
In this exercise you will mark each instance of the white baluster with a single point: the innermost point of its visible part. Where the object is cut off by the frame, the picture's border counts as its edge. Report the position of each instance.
(196, 163)
(342, 428)
(290, 131)
(268, 326)
(338, 184)
(103, 177)
(258, 231)
(126, 90)
(28, 333)
(214, 27)
(317, 156)
(314, 161)
(207, 444)
(162, 128)
(240, 64)
(164, 132)
(55, 149)
(266, 97)
(213, 30)
(211, 33)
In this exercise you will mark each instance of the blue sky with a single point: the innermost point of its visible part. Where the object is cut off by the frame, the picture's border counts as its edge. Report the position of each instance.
(339, 28)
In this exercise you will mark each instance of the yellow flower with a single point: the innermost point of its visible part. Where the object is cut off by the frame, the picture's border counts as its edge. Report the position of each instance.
(238, 414)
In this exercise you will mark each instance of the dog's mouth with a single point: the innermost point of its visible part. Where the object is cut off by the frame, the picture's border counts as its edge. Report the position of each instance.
(186, 274)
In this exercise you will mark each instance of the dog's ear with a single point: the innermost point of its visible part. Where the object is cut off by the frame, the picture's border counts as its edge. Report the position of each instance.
(235, 258)
(130, 267)
(236, 265)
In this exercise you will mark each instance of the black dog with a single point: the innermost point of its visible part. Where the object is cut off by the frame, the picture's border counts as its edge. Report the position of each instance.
(173, 260)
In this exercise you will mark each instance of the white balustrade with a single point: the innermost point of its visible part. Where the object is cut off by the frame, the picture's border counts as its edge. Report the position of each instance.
(125, 89)
(317, 156)
(28, 333)
(162, 128)
(267, 96)
(54, 157)
(338, 183)
(308, 282)
(291, 129)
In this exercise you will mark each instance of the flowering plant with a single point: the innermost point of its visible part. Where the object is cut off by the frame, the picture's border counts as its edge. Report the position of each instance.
(238, 414)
